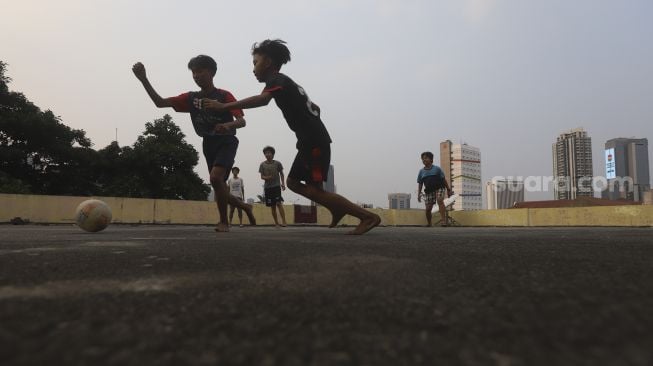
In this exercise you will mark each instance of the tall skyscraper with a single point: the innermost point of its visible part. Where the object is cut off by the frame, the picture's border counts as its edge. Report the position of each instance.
(399, 201)
(461, 164)
(572, 165)
(445, 159)
(503, 194)
(626, 169)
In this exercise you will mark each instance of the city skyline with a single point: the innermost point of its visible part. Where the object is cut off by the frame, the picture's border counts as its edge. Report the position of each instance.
(504, 76)
(573, 165)
(504, 193)
(462, 168)
(626, 158)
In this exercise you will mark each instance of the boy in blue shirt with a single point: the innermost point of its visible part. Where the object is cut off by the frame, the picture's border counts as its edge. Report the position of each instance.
(432, 178)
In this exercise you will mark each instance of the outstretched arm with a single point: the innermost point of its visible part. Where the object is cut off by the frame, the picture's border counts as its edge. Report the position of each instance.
(247, 103)
(139, 71)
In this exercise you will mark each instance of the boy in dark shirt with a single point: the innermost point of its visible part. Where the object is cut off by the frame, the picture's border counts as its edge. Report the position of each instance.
(311, 164)
(217, 129)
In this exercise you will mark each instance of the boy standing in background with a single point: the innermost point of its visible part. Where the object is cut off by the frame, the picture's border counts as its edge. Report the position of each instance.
(272, 173)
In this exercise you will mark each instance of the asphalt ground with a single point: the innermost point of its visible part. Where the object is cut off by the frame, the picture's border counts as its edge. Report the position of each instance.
(184, 295)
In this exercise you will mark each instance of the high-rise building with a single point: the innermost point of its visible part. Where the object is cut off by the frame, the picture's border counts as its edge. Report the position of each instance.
(626, 169)
(330, 184)
(399, 201)
(572, 165)
(461, 164)
(445, 159)
(503, 194)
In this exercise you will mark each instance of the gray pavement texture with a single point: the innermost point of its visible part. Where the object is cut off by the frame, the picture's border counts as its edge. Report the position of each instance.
(184, 295)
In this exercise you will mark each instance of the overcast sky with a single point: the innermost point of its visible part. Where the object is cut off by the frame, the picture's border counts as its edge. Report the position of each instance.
(393, 77)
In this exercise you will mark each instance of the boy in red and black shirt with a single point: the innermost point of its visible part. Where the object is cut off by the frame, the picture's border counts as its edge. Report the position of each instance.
(217, 129)
(311, 164)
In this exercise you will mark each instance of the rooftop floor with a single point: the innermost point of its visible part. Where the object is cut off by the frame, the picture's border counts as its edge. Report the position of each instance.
(176, 295)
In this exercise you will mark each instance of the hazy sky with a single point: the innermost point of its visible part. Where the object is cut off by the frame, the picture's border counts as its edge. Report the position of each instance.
(393, 77)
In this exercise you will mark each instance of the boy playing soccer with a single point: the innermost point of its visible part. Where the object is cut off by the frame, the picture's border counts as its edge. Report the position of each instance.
(311, 164)
(217, 128)
(432, 178)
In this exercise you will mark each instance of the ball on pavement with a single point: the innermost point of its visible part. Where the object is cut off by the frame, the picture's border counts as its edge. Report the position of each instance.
(93, 215)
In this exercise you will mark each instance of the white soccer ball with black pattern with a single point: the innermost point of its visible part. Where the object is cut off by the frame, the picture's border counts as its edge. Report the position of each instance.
(93, 215)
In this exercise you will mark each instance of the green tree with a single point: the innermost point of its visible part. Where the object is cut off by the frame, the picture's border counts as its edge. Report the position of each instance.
(39, 154)
(160, 165)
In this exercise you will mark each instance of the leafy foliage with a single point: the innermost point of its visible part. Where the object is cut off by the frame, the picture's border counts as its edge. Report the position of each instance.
(41, 155)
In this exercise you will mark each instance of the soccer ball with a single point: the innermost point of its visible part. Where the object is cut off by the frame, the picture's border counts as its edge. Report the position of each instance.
(93, 215)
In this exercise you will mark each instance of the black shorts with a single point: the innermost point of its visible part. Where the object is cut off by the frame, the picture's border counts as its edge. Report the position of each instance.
(311, 165)
(221, 151)
(273, 196)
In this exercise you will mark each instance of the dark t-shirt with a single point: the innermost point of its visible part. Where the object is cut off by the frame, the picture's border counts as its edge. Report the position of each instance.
(204, 120)
(271, 169)
(298, 111)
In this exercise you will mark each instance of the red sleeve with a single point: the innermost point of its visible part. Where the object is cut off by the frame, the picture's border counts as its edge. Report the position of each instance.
(274, 84)
(230, 98)
(272, 89)
(181, 103)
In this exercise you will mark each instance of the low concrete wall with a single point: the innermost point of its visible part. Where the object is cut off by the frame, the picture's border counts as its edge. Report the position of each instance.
(61, 210)
(628, 215)
(511, 217)
(631, 215)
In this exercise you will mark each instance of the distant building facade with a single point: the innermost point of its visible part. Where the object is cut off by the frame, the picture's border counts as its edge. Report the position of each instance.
(399, 201)
(626, 169)
(461, 164)
(572, 165)
(502, 194)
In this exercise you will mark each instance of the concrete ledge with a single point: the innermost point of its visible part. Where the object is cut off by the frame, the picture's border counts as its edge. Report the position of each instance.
(512, 217)
(61, 210)
(631, 215)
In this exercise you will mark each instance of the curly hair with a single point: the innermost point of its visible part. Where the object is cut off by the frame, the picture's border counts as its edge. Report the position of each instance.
(275, 49)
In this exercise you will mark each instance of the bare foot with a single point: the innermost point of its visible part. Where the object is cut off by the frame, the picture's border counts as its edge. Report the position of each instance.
(250, 215)
(222, 227)
(366, 225)
(335, 218)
